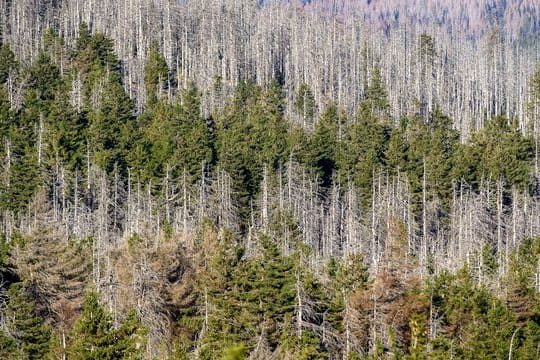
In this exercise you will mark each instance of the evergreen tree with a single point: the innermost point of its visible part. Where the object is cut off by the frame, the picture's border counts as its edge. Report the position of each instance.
(67, 132)
(27, 329)
(8, 347)
(24, 175)
(376, 102)
(237, 146)
(194, 148)
(431, 153)
(156, 147)
(505, 153)
(220, 324)
(45, 77)
(156, 75)
(480, 323)
(95, 338)
(396, 152)
(8, 62)
(324, 144)
(111, 126)
(440, 155)
(305, 104)
(347, 279)
(252, 300)
(522, 296)
(271, 127)
(96, 63)
(364, 149)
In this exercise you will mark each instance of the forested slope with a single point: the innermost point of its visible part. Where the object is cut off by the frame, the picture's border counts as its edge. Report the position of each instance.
(220, 43)
(260, 216)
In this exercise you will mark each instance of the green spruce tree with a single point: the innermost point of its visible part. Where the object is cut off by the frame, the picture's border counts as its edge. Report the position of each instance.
(30, 335)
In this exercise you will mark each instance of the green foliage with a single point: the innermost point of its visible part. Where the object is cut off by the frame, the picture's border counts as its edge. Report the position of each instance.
(431, 153)
(364, 148)
(305, 347)
(176, 140)
(8, 63)
(265, 287)
(522, 296)
(193, 143)
(271, 126)
(156, 74)
(134, 241)
(252, 135)
(28, 336)
(95, 62)
(526, 341)
(498, 151)
(235, 352)
(418, 326)
(252, 299)
(376, 103)
(45, 77)
(4, 253)
(24, 179)
(8, 347)
(305, 103)
(396, 154)
(324, 144)
(476, 324)
(67, 135)
(233, 145)
(155, 149)
(94, 337)
(351, 274)
(111, 126)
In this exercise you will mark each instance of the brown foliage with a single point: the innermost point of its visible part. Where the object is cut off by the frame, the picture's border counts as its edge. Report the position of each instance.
(387, 307)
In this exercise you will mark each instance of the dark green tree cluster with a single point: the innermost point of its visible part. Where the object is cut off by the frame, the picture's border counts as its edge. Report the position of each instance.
(81, 114)
(94, 337)
(476, 324)
(27, 336)
(255, 303)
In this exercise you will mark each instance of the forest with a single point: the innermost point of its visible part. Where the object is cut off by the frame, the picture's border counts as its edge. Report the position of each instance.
(214, 189)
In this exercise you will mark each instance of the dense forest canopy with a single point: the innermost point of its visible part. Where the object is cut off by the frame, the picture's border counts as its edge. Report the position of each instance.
(230, 180)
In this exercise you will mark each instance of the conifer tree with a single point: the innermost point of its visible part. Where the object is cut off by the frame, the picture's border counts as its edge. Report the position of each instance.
(27, 328)
(157, 145)
(271, 127)
(67, 132)
(23, 175)
(111, 126)
(506, 154)
(324, 144)
(364, 149)
(236, 149)
(8, 347)
(156, 75)
(95, 338)
(219, 314)
(45, 77)
(376, 102)
(8, 62)
(522, 296)
(397, 149)
(305, 104)
(193, 143)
